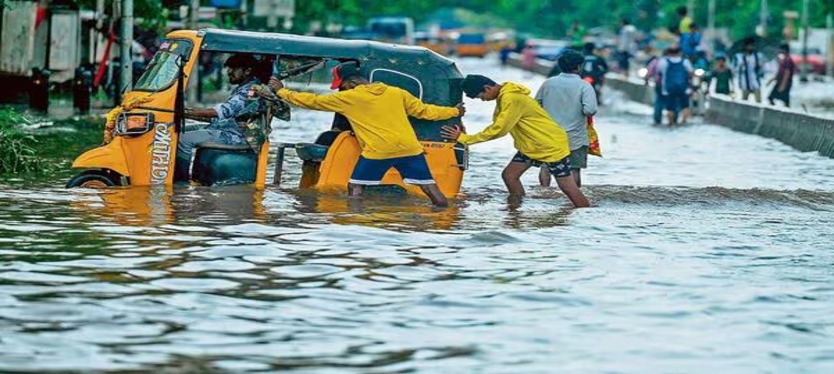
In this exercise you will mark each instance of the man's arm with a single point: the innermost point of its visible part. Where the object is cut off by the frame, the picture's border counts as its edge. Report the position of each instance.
(589, 100)
(336, 102)
(507, 118)
(416, 108)
(540, 94)
(204, 115)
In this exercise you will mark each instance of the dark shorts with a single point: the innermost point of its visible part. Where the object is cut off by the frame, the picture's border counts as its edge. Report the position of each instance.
(676, 102)
(413, 169)
(579, 158)
(558, 169)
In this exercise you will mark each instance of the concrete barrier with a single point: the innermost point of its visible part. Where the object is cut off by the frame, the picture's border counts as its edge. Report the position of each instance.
(802, 131)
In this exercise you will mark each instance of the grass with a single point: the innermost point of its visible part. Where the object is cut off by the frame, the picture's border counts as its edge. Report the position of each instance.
(46, 154)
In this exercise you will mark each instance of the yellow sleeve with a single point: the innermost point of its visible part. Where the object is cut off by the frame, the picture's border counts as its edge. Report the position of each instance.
(336, 102)
(416, 108)
(507, 118)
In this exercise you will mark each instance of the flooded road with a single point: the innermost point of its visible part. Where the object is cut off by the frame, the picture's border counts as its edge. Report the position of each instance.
(709, 250)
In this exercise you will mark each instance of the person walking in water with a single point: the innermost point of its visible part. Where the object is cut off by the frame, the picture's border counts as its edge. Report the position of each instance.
(569, 101)
(676, 74)
(538, 139)
(378, 114)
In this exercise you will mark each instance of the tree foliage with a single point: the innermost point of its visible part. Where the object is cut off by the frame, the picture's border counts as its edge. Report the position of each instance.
(553, 17)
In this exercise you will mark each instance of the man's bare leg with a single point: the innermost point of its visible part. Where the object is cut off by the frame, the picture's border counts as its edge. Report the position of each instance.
(673, 117)
(544, 176)
(577, 176)
(684, 115)
(355, 190)
(433, 192)
(512, 177)
(571, 190)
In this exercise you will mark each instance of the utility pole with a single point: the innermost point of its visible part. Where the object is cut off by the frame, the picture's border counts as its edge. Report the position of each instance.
(194, 79)
(803, 65)
(763, 18)
(711, 27)
(127, 43)
(829, 24)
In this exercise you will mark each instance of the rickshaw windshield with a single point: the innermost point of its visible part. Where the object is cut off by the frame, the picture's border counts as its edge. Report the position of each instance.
(163, 68)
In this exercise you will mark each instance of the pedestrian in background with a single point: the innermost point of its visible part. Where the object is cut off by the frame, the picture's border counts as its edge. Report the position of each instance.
(653, 75)
(690, 42)
(569, 101)
(684, 26)
(676, 73)
(748, 69)
(528, 58)
(627, 45)
(722, 75)
(784, 77)
(594, 69)
(504, 54)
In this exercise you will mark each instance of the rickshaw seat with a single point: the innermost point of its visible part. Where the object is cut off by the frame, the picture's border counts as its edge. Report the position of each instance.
(311, 152)
(225, 147)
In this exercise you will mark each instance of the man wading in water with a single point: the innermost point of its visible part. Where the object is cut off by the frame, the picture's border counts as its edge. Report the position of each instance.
(378, 114)
(569, 100)
(538, 139)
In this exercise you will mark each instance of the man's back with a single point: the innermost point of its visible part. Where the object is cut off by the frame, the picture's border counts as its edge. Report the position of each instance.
(379, 116)
(569, 100)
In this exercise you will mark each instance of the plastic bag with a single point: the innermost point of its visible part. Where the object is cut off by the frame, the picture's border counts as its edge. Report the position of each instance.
(593, 138)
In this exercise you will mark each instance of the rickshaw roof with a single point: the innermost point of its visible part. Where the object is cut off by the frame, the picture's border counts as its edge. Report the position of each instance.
(219, 40)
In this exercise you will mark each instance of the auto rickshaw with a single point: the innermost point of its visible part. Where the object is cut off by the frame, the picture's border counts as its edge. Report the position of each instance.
(150, 119)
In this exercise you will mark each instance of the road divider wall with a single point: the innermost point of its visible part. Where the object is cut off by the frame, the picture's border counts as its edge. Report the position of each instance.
(802, 131)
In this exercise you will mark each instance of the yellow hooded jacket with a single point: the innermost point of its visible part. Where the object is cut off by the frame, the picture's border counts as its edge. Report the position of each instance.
(378, 114)
(534, 133)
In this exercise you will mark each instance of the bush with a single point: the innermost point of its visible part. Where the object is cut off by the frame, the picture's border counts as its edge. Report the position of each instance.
(17, 149)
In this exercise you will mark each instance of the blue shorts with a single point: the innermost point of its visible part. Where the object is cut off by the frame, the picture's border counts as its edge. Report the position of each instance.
(676, 102)
(558, 169)
(413, 169)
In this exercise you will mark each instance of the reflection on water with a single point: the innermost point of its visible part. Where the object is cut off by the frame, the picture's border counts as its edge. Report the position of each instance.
(667, 273)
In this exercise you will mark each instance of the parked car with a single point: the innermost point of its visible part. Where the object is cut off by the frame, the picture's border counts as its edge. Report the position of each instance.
(816, 61)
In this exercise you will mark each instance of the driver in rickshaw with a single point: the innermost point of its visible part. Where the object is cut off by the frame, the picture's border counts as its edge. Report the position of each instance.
(243, 70)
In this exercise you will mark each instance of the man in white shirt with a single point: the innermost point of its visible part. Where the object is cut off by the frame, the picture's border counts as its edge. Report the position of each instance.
(748, 70)
(569, 100)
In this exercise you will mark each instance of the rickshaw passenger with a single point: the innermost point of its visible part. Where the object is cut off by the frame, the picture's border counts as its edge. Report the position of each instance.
(378, 114)
(241, 70)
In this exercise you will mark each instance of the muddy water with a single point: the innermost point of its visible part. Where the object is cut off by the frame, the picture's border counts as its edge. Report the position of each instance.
(708, 250)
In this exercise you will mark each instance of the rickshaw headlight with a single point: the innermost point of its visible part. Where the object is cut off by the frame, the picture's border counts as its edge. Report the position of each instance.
(134, 123)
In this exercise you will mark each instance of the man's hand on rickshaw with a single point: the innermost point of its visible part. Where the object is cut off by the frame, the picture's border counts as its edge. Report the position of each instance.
(451, 132)
(276, 84)
(461, 109)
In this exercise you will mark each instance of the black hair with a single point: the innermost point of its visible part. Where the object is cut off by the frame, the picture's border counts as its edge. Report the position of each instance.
(241, 60)
(570, 61)
(682, 10)
(474, 84)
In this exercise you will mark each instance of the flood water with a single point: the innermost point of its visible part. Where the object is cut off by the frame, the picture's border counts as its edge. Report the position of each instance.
(708, 250)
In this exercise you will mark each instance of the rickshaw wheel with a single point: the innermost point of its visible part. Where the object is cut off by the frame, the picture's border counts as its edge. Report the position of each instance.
(92, 179)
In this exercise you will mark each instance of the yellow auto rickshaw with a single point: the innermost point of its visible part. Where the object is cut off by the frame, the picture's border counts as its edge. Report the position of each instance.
(147, 125)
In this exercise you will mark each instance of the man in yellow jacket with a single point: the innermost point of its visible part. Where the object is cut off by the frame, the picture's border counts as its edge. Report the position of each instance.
(538, 139)
(378, 114)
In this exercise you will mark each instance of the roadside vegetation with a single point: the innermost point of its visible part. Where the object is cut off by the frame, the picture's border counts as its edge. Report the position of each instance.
(17, 148)
(43, 153)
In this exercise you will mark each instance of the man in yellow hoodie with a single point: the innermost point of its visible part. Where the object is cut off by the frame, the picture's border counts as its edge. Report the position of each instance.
(378, 114)
(538, 139)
